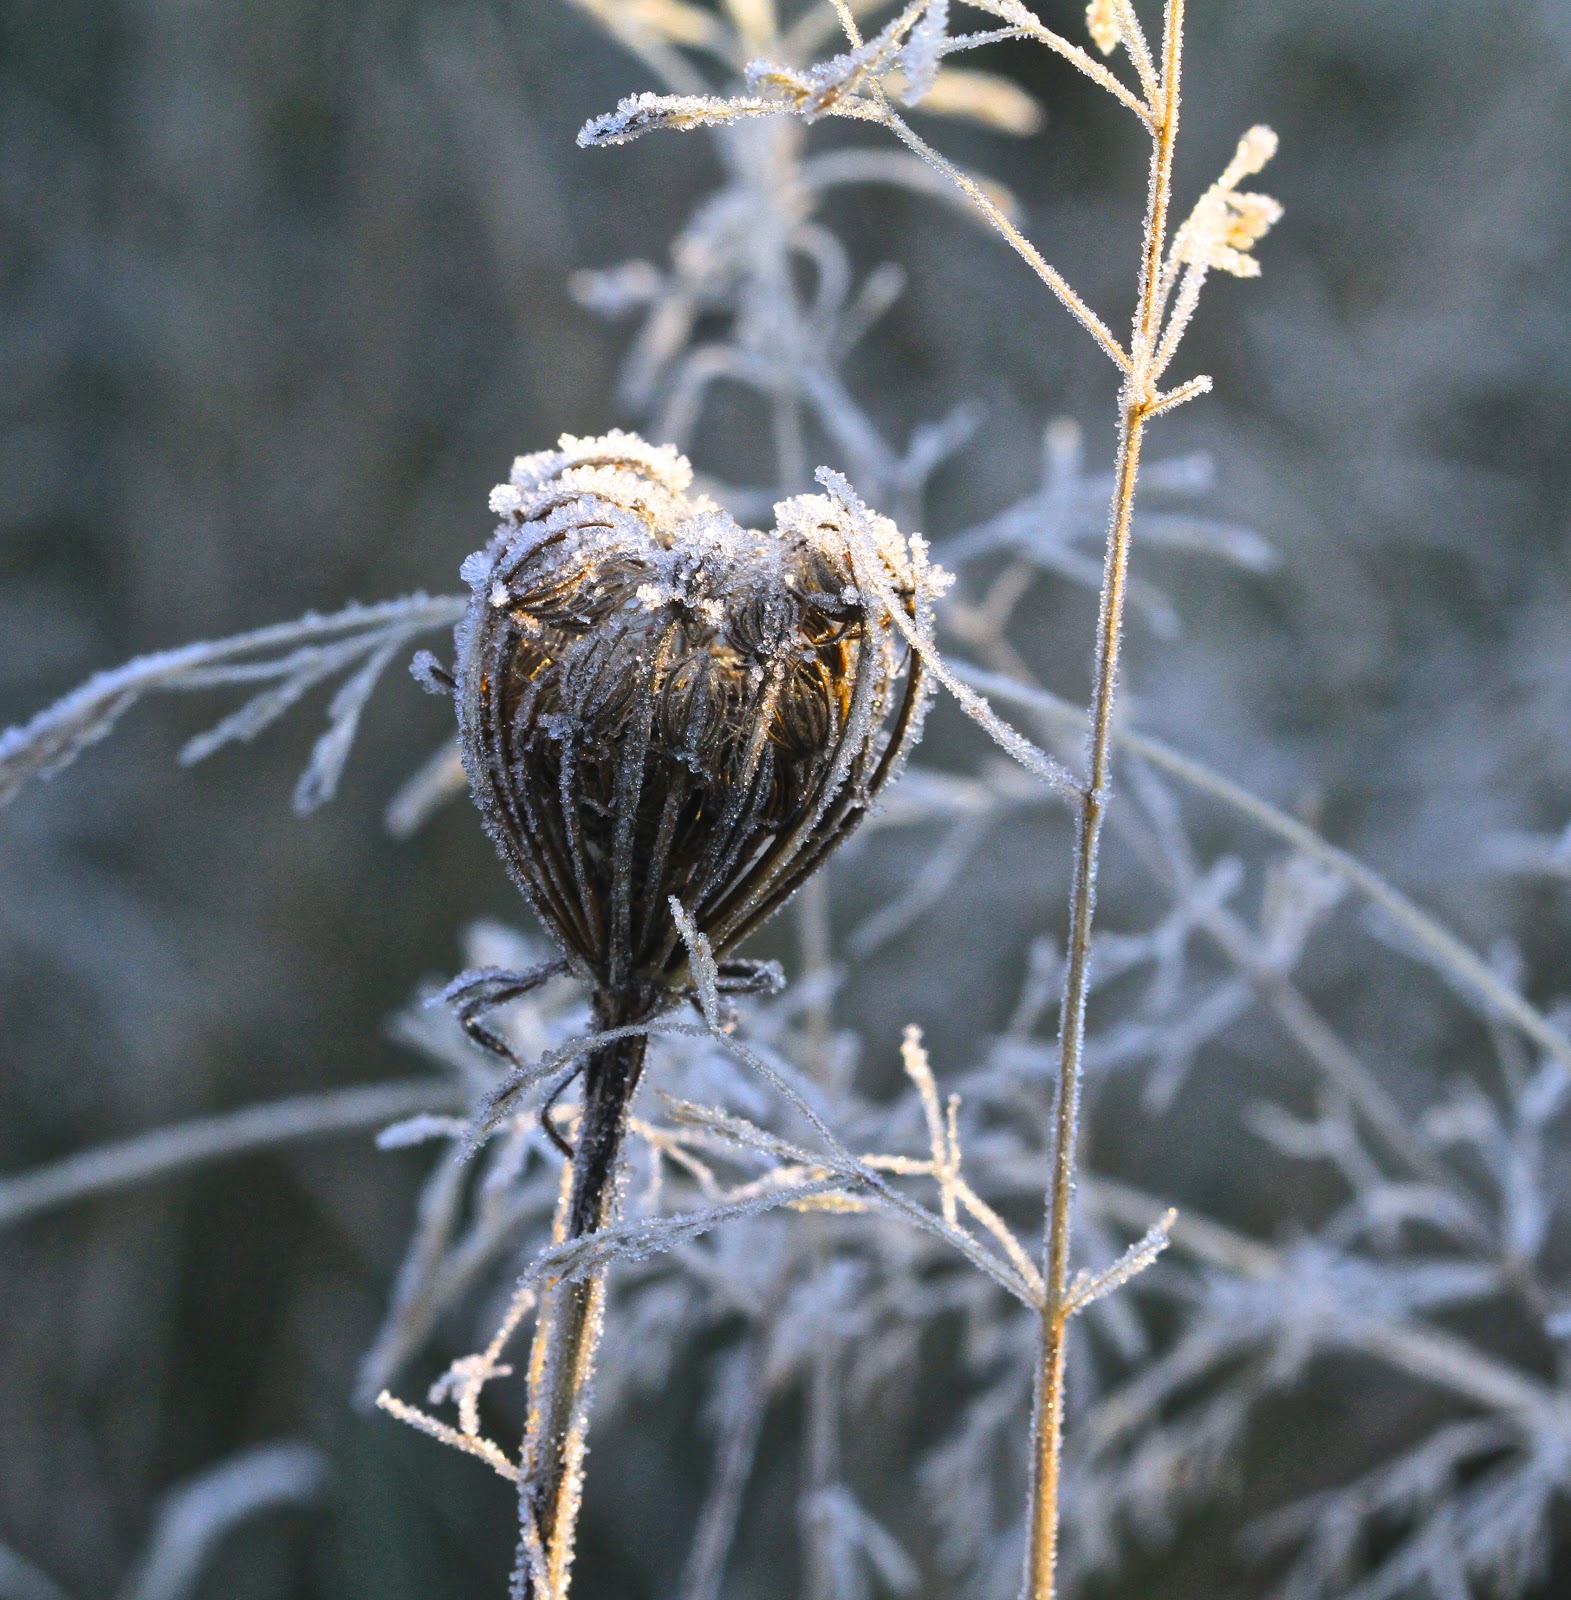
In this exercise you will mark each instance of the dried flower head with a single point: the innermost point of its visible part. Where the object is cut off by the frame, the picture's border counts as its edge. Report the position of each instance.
(1226, 225)
(1102, 24)
(657, 703)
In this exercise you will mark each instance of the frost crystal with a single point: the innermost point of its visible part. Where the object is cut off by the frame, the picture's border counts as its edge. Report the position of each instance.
(644, 113)
(924, 51)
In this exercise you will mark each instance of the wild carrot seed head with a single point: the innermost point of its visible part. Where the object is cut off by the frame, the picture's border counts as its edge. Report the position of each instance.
(655, 701)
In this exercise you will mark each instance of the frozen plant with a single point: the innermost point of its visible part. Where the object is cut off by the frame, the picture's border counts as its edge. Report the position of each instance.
(626, 651)
(1219, 233)
(766, 1189)
(668, 721)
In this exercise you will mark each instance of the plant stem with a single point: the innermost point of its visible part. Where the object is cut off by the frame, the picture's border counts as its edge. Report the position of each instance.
(562, 1357)
(1135, 402)
(820, 1470)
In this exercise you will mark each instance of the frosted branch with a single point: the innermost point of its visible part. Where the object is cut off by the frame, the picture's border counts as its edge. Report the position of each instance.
(188, 1145)
(649, 113)
(311, 648)
(1089, 1287)
(1029, 26)
(870, 575)
(575, 1259)
(444, 1433)
(1437, 945)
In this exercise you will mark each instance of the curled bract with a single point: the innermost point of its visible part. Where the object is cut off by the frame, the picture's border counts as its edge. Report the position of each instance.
(656, 702)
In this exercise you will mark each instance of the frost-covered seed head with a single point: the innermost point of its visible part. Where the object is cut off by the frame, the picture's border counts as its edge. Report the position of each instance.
(655, 701)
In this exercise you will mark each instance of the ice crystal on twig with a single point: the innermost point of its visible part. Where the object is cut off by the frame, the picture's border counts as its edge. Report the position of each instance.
(290, 659)
(645, 113)
(923, 51)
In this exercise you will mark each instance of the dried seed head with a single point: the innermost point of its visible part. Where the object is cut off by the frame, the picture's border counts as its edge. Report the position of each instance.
(657, 702)
(1102, 23)
(1226, 223)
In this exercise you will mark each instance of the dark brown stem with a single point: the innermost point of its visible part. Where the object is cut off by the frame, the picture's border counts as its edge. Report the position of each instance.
(562, 1358)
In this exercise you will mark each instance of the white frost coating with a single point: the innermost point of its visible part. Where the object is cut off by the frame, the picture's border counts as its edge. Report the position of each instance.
(870, 557)
(636, 1241)
(1089, 1287)
(319, 782)
(419, 1129)
(821, 522)
(291, 656)
(924, 51)
(701, 960)
(662, 462)
(262, 710)
(644, 113)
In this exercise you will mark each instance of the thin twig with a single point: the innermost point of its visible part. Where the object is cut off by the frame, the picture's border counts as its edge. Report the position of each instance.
(1135, 403)
(1015, 13)
(57, 734)
(1028, 252)
(1444, 952)
(1133, 40)
(166, 1151)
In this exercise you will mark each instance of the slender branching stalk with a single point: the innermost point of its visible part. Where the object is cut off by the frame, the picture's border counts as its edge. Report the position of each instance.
(1137, 400)
(667, 732)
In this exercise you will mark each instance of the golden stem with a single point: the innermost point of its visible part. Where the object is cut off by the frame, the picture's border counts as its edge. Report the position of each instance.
(1135, 403)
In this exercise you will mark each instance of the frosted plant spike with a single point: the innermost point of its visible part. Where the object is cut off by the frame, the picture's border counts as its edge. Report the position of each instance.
(1087, 1287)
(701, 961)
(294, 655)
(645, 113)
(575, 1259)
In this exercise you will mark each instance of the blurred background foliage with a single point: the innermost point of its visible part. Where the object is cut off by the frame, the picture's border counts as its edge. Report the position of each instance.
(286, 287)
